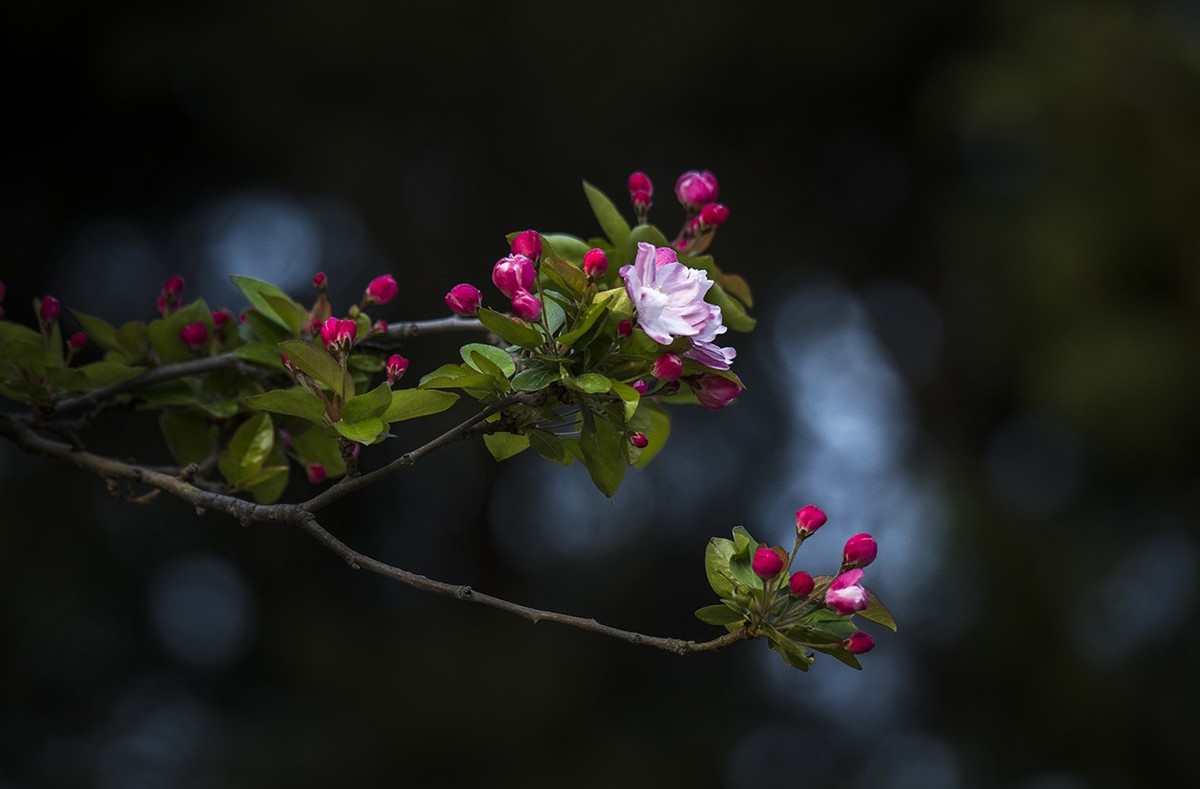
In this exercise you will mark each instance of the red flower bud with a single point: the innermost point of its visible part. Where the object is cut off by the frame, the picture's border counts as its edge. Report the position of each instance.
(513, 273)
(396, 365)
(194, 335)
(767, 562)
(639, 440)
(316, 473)
(527, 243)
(640, 182)
(860, 550)
(809, 518)
(624, 328)
(696, 189)
(713, 215)
(49, 310)
(464, 299)
(221, 317)
(77, 342)
(381, 290)
(715, 391)
(338, 334)
(668, 367)
(320, 281)
(858, 643)
(526, 306)
(595, 263)
(174, 287)
(641, 202)
(639, 386)
(800, 584)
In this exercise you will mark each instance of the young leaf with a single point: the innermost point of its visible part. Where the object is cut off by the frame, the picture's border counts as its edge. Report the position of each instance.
(266, 297)
(500, 359)
(364, 431)
(373, 403)
(313, 444)
(412, 403)
(315, 361)
(652, 420)
(533, 379)
(98, 331)
(719, 615)
(296, 401)
(570, 247)
(565, 274)
(510, 330)
(164, 333)
(247, 451)
(610, 219)
(604, 456)
(877, 612)
(716, 566)
(190, 437)
(505, 445)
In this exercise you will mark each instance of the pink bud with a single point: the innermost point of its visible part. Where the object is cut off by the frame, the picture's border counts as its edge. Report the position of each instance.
(338, 334)
(809, 518)
(846, 595)
(696, 189)
(639, 440)
(379, 327)
(77, 342)
(320, 281)
(381, 290)
(713, 215)
(858, 643)
(396, 365)
(464, 299)
(316, 473)
(668, 367)
(800, 584)
(595, 263)
(173, 287)
(49, 310)
(639, 386)
(194, 335)
(715, 391)
(767, 563)
(641, 202)
(526, 306)
(527, 243)
(860, 551)
(513, 273)
(221, 317)
(624, 328)
(640, 182)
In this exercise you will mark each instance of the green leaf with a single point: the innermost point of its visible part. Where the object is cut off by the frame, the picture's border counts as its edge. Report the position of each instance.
(610, 219)
(793, 654)
(98, 331)
(412, 403)
(877, 612)
(266, 298)
(163, 334)
(109, 373)
(549, 446)
(266, 329)
(716, 566)
(364, 431)
(652, 420)
(589, 319)
(313, 444)
(261, 353)
(132, 339)
(296, 401)
(317, 362)
(565, 273)
(500, 359)
(570, 247)
(604, 456)
(719, 615)
(509, 330)
(246, 452)
(733, 314)
(648, 234)
(593, 383)
(15, 332)
(373, 403)
(629, 398)
(190, 437)
(268, 485)
(505, 445)
(534, 379)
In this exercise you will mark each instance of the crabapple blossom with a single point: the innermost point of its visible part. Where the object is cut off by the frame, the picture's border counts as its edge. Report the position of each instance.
(595, 263)
(639, 440)
(846, 594)
(526, 306)
(800, 584)
(464, 299)
(715, 391)
(513, 273)
(49, 310)
(696, 189)
(396, 365)
(338, 333)
(860, 550)
(381, 290)
(527, 243)
(809, 518)
(858, 643)
(668, 367)
(767, 563)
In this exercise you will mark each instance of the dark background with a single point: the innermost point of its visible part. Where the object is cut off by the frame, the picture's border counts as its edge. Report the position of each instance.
(972, 233)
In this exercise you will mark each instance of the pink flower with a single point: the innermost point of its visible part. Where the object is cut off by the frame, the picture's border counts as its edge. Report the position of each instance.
(858, 643)
(767, 562)
(715, 391)
(668, 367)
(513, 273)
(860, 551)
(801, 584)
(316, 473)
(49, 310)
(527, 243)
(846, 595)
(595, 263)
(194, 335)
(396, 365)
(338, 334)
(320, 281)
(713, 215)
(381, 290)
(809, 518)
(639, 440)
(526, 306)
(669, 298)
(464, 299)
(640, 182)
(696, 189)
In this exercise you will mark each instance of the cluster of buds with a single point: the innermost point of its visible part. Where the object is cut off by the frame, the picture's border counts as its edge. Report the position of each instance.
(170, 298)
(697, 192)
(844, 594)
(641, 194)
(337, 334)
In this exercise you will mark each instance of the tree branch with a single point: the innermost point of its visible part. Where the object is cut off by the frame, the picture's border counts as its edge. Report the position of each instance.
(30, 441)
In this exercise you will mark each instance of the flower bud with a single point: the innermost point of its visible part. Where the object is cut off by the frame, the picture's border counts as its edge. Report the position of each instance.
(171, 295)
(640, 182)
(464, 299)
(338, 334)
(194, 335)
(641, 202)
(858, 643)
(381, 290)
(513, 273)
(624, 328)
(713, 215)
(639, 440)
(320, 281)
(595, 263)
(316, 473)
(696, 189)
(800, 584)
(639, 386)
(526, 306)
(845, 594)
(860, 551)
(221, 317)
(379, 327)
(809, 518)
(527, 243)
(77, 342)
(767, 562)
(396, 365)
(715, 391)
(174, 287)
(49, 310)
(668, 367)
